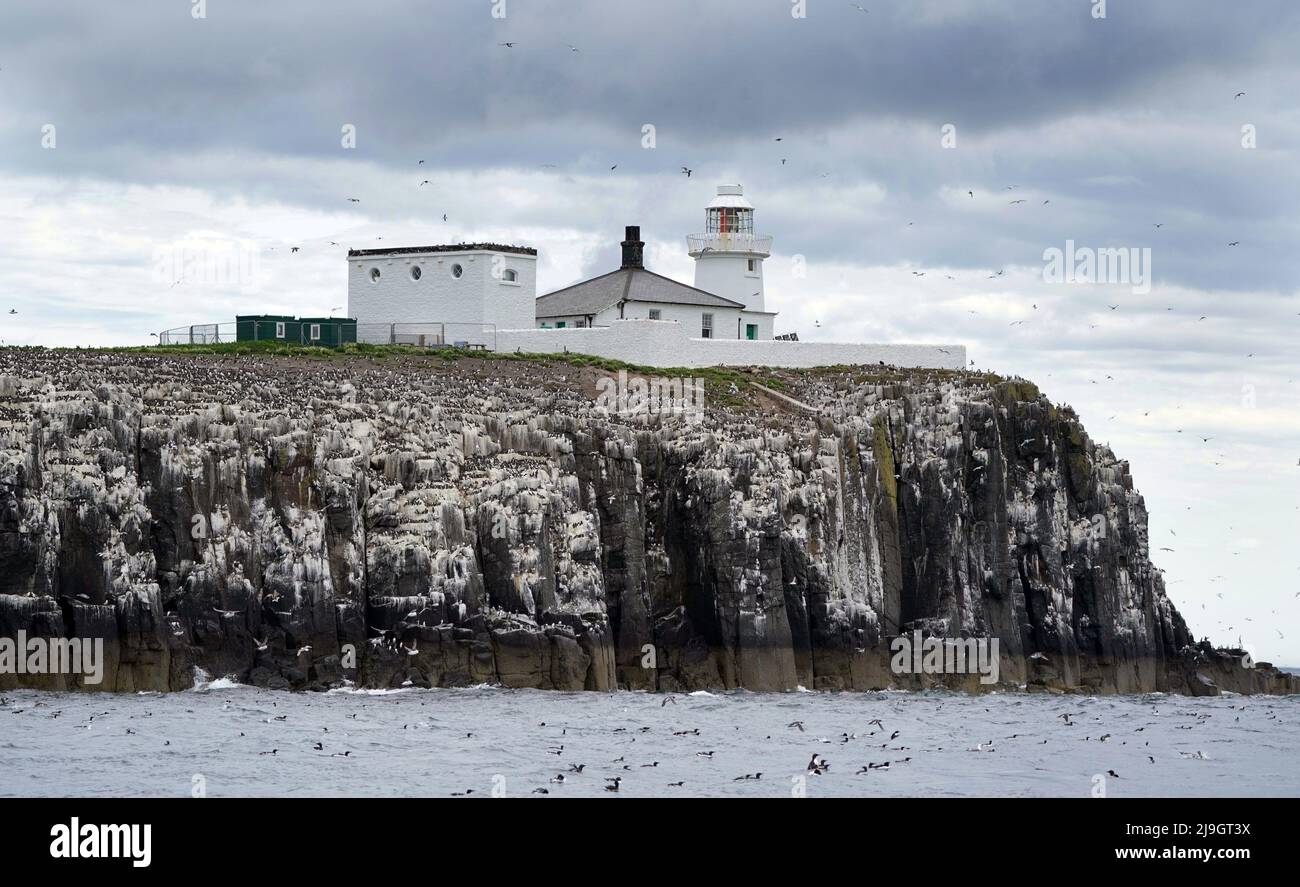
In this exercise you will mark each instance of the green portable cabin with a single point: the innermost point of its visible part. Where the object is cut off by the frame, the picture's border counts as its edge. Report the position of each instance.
(329, 332)
(270, 327)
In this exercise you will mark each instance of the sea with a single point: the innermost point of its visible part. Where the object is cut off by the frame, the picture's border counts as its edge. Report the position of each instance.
(225, 739)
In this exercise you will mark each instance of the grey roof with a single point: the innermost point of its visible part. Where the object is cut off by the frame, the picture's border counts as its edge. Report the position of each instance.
(445, 248)
(631, 284)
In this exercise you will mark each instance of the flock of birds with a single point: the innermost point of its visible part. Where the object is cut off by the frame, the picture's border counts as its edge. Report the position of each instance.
(910, 733)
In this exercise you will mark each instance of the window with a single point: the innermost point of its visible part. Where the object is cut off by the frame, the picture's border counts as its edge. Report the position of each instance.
(374, 275)
(582, 324)
(559, 324)
(706, 326)
(279, 329)
(751, 331)
(655, 314)
(753, 265)
(457, 271)
(315, 332)
(509, 275)
(416, 272)
(730, 220)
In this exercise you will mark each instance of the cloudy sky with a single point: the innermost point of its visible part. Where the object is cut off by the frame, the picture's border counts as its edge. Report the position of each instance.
(883, 150)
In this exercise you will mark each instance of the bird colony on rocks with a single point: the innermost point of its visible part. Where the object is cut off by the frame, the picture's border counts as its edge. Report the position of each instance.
(413, 520)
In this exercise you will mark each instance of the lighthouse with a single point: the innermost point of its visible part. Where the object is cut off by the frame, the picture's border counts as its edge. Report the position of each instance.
(729, 255)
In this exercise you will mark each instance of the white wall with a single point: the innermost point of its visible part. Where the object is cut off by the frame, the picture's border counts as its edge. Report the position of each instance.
(729, 276)
(668, 344)
(476, 297)
(689, 316)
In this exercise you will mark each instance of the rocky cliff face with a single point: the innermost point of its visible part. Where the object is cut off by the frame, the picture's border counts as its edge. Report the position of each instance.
(418, 521)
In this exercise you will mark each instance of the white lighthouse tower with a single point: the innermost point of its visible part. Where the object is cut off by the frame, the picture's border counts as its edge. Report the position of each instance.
(729, 255)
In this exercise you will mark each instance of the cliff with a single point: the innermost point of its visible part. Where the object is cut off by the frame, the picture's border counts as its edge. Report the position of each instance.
(400, 519)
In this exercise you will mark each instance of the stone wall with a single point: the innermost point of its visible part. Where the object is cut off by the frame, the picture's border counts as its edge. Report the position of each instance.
(668, 344)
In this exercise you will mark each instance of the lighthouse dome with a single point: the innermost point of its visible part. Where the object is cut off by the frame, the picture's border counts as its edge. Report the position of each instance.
(730, 197)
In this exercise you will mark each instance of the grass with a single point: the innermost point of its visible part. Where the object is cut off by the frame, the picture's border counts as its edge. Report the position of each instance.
(718, 381)
(271, 348)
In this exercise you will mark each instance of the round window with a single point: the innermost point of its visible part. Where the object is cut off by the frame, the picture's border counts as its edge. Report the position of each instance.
(457, 271)
(416, 272)
(374, 275)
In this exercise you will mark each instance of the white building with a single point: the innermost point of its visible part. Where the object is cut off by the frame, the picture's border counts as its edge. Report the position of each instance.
(485, 294)
(729, 255)
(635, 292)
(432, 295)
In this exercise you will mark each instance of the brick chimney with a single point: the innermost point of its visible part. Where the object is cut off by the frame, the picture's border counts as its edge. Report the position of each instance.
(633, 248)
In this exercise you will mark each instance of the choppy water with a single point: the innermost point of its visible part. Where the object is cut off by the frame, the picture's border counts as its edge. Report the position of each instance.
(436, 742)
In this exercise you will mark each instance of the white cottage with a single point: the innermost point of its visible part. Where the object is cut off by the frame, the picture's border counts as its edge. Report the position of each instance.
(635, 292)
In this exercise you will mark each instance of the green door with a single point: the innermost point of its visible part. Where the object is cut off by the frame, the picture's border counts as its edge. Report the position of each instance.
(751, 331)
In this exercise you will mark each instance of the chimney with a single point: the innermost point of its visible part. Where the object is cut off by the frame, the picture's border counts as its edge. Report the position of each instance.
(633, 248)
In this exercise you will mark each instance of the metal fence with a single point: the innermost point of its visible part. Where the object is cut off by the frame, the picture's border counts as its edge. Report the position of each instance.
(435, 334)
(198, 334)
(475, 336)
